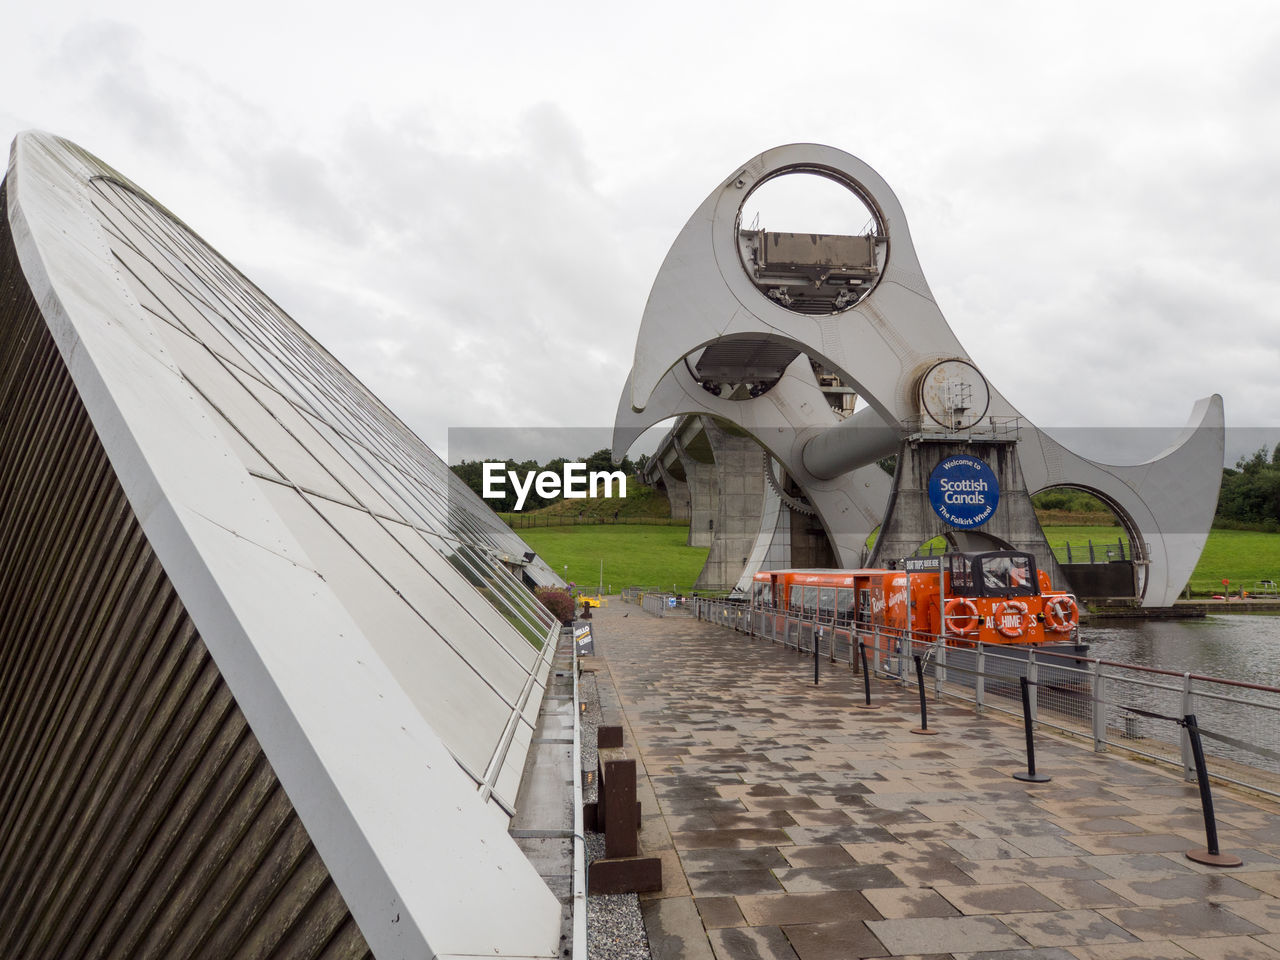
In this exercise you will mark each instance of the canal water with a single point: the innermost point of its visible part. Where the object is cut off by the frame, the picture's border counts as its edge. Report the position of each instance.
(1240, 647)
(1229, 647)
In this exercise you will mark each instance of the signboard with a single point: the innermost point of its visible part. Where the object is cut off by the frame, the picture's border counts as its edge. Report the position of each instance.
(964, 491)
(583, 639)
(922, 564)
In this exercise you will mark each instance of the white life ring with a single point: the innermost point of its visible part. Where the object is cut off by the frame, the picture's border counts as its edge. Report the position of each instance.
(1061, 614)
(1004, 615)
(961, 616)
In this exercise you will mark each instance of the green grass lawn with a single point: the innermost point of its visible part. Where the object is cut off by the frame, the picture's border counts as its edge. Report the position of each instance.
(633, 556)
(657, 555)
(1241, 556)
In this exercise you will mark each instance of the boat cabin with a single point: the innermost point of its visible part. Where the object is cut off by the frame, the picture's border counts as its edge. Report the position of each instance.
(996, 596)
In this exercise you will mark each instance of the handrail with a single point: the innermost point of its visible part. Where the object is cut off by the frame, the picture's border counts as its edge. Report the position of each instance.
(1115, 704)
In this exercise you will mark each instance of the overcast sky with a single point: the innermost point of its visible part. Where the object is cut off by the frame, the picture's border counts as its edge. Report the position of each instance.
(468, 203)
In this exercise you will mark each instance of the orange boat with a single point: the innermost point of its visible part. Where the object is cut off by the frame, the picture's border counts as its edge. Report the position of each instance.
(996, 597)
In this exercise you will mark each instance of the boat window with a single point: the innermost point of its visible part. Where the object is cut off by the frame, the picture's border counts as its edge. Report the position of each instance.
(827, 601)
(810, 600)
(793, 598)
(864, 606)
(844, 603)
(1007, 575)
(962, 584)
(761, 594)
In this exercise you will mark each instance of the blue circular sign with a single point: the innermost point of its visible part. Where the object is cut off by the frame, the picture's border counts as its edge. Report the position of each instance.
(964, 491)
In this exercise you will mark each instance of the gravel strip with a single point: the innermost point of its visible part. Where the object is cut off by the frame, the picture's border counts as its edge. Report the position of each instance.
(588, 721)
(615, 929)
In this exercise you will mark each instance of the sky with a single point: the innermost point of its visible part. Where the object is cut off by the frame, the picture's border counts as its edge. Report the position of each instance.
(468, 204)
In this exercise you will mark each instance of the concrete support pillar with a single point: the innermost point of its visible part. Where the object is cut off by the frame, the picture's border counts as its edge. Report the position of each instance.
(677, 493)
(700, 476)
(739, 504)
(911, 519)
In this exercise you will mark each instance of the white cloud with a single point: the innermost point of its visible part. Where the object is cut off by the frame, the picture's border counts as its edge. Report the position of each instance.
(468, 205)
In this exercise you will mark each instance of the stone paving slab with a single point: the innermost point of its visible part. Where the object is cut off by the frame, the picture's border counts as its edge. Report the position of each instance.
(792, 825)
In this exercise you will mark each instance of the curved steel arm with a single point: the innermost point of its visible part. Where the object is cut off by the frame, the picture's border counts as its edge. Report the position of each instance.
(881, 347)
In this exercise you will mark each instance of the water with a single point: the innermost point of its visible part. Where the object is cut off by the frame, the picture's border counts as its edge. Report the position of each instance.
(1238, 647)
(1242, 648)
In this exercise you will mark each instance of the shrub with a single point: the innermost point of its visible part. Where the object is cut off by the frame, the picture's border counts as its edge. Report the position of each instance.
(559, 602)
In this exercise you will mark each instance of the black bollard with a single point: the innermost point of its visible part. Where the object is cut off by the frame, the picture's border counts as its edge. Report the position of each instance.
(923, 729)
(866, 678)
(1030, 776)
(1211, 856)
(817, 637)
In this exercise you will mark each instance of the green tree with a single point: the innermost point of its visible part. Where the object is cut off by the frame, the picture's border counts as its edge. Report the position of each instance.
(1251, 492)
(603, 460)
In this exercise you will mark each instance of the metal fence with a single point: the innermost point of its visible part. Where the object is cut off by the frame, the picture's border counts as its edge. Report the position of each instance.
(1133, 708)
(1088, 553)
(522, 521)
(656, 603)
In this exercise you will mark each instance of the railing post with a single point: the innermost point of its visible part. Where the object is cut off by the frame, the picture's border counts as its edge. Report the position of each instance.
(866, 675)
(923, 729)
(980, 679)
(1188, 754)
(1033, 674)
(1211, 855)
(939, 667)
(1099, 708)
(1030, 776)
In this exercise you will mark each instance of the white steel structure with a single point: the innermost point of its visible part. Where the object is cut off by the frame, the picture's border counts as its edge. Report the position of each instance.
(870, 318)
(356, 598)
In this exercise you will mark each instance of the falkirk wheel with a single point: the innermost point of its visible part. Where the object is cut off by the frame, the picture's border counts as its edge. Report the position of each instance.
(741, 323)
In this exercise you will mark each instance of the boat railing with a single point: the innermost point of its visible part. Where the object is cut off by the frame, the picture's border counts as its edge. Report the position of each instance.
(1115, 705)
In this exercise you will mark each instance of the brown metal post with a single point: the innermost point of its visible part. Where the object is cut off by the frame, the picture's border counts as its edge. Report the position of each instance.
(618, 799)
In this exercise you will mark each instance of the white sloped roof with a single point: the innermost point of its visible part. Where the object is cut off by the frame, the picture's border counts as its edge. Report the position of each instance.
(345, 582)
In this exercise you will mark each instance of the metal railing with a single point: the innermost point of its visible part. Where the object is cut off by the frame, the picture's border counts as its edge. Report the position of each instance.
(987, 428)
(1118, 705)
(656, 603)
(520, 521)
(1088, 553)
(1102, 553)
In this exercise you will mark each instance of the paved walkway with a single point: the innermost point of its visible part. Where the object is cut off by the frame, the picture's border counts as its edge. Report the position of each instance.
(793, 825)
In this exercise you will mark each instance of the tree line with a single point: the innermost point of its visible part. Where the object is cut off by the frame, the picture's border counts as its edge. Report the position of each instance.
(1250, 495)
(471, 473)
